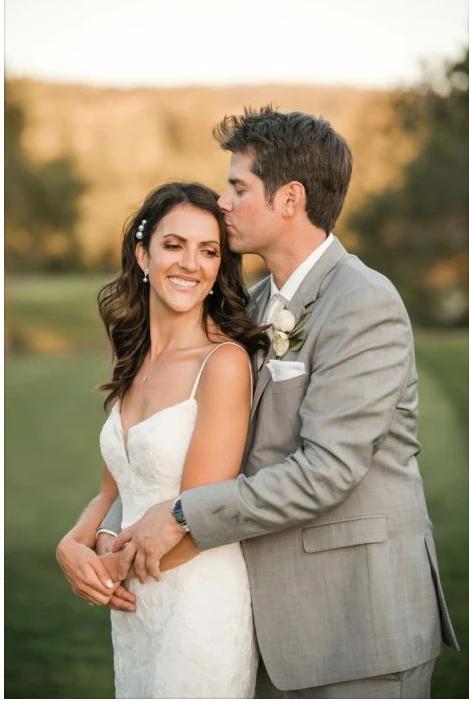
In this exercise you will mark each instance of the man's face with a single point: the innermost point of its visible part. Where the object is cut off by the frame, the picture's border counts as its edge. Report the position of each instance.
(252, 224)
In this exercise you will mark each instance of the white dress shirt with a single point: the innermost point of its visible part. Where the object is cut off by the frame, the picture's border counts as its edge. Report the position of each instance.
(296, 278)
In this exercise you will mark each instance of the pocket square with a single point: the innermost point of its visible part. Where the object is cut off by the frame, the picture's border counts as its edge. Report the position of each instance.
(285, 369)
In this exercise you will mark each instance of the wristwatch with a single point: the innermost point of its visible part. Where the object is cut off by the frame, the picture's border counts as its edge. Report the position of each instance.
(178, 514)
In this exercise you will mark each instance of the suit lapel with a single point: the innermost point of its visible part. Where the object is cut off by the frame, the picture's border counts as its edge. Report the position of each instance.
(262, 380)
(303, 298)
(260, 296)
(308, 291)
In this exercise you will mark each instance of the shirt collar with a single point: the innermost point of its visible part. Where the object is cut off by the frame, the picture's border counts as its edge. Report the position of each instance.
(296, 278)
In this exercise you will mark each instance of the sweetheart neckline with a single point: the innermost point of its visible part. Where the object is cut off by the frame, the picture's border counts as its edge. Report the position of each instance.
(160, 411)
(125, 439)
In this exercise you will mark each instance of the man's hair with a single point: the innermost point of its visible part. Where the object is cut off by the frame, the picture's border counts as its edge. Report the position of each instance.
(293, 146)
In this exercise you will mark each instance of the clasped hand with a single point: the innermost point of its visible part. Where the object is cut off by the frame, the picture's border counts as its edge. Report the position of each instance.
(146, 541)
(92, 575)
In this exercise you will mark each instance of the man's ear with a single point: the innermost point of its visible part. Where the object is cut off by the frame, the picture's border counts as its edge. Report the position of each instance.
(142, 256)
(294, 198)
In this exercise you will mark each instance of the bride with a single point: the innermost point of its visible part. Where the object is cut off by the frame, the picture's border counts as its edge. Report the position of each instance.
(179, 401)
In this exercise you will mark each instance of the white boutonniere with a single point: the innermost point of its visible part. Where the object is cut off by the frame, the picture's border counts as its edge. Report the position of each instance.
(288, 333)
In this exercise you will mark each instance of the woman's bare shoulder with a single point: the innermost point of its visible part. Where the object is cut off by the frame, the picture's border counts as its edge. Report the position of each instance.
(228, 362)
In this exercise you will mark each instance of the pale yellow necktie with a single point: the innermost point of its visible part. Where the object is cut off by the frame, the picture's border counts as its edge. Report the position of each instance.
(275, 305)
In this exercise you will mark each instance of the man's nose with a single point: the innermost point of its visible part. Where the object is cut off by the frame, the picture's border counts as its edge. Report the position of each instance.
(224, 201)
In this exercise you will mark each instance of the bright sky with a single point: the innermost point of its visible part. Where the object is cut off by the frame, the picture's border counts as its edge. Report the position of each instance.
(370, 43)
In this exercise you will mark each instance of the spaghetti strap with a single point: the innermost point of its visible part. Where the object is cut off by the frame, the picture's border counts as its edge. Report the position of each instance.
(199, 374)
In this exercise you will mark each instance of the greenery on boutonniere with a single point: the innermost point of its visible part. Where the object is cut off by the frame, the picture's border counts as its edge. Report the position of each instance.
(288, 333)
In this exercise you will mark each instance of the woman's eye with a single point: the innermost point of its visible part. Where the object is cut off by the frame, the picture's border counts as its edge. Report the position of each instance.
(172, 246)
(210, 252)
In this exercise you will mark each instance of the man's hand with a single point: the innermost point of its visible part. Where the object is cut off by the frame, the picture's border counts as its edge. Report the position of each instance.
(87, 575)
(147, 540)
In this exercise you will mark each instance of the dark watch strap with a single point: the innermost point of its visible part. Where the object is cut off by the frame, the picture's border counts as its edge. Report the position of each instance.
(178, 514)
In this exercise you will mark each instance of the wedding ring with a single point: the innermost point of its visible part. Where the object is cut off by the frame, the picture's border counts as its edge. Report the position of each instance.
(90, 603)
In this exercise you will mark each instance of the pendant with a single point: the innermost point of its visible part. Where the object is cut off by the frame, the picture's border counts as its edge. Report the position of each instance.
(145, 378)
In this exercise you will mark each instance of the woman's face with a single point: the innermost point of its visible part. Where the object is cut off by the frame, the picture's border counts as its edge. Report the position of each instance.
(183, 258)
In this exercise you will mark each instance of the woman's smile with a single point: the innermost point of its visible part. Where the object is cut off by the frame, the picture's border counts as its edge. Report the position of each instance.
(183, 283)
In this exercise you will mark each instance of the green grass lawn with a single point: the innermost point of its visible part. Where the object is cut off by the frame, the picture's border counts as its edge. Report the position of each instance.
(50, 314)
(444, 463)
(58, 647)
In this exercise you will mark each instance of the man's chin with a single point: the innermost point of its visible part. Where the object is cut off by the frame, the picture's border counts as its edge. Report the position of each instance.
(235, 245)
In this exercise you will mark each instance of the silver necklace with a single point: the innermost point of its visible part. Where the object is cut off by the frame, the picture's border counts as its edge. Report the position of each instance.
(144, 379)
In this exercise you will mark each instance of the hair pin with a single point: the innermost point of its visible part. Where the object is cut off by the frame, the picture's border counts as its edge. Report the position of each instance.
(141, 227)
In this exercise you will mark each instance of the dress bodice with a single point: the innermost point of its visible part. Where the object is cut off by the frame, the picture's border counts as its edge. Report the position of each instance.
(149, 468)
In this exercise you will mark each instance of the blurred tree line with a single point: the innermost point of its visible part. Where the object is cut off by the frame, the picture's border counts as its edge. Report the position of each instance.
(41, 203)
(415, 232)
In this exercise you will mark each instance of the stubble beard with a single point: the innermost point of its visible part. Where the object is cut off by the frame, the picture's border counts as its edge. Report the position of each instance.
(233, 245)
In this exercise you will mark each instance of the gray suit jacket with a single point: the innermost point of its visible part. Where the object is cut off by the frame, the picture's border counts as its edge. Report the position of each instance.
(330, 505)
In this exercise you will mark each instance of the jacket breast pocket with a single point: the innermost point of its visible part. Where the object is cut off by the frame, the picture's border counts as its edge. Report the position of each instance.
(294, 385)
(345, 534)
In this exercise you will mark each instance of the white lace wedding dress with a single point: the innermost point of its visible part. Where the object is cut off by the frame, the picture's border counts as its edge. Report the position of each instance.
(192, 634)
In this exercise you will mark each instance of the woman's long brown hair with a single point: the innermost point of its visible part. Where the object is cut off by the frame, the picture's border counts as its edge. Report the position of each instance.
(124, 301)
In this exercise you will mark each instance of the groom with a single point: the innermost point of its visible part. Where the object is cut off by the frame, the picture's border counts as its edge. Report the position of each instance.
(329, 506)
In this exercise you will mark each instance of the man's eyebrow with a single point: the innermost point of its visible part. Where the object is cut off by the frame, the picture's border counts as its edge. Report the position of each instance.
(181, 238)
(236, 181)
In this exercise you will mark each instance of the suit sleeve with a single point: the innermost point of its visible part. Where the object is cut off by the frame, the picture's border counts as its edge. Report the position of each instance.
(111, 523)
(361, 363)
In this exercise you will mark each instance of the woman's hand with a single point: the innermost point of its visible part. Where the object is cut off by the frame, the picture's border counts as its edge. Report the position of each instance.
(104, 542)
(86, 574)
(121, 599)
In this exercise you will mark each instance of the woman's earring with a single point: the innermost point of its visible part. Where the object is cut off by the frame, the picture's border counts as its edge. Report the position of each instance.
(145, 276)
(211, 292)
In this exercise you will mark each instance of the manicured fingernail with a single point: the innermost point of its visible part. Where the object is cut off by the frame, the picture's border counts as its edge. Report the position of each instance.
(109, 583)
